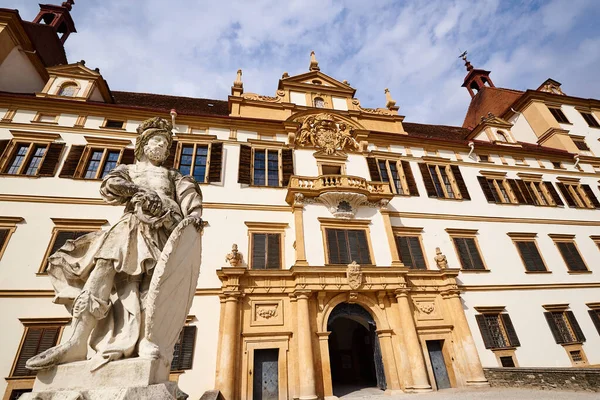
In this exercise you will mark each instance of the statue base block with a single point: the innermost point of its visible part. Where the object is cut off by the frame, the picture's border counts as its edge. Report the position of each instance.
(161, 391)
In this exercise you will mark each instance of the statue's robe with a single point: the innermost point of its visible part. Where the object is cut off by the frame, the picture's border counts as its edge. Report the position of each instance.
(132, 246)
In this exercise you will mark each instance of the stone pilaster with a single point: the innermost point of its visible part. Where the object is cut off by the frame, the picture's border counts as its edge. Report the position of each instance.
(226, 375)
(306, 367)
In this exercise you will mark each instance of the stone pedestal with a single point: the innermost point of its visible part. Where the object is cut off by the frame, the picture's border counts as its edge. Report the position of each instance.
(134, 378)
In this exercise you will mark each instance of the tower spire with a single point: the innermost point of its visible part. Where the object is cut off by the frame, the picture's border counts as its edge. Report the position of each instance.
(59, 17)
(314, 64)
(476, 79)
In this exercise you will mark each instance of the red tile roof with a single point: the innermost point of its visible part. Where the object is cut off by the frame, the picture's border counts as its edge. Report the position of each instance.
(489, 99)
(442, 132)
(183, 105)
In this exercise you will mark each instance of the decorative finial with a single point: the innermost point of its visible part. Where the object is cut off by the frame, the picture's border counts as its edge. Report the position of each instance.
(238, 80)
(285, 75)
(173, 116)
(314, 64)
(345, 82)
(440, 259)
(467, 63)
(235, 257)
(68, 4)
(389, 101)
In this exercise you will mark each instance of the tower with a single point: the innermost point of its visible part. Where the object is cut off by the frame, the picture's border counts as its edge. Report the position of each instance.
(476, 79)
(58, 17)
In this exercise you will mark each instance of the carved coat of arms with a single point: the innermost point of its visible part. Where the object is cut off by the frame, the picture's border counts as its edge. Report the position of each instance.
(324, 132)
(354, 275)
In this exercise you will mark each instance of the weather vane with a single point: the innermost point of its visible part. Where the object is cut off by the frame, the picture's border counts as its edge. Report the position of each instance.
(463, 56)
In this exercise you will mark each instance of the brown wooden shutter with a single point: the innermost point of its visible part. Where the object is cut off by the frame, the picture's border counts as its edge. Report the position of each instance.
(245, 166)
(517, 191)
(187, 347)
(579, 336)
(553, 328)
(50, 163)
(259, 248)
(404, 251)
(489, 195)
(595, 319)
(524, 189)
(216, 162)
(170, 161)
(3, 146)
(73, 158)
(474, 253)
(36, 340)
(417, 252)
(410, 179)
(460, 182)
(590, 194)
(510, 330)
(3, 236)
(333, 248)
(374, 169)
(488, 341)
(531, 256)
(128, 157)
(565, 192)
(287, 168)
(429, 186)
(463, 253)
(553, 193)
(571, 256)
(273, 251)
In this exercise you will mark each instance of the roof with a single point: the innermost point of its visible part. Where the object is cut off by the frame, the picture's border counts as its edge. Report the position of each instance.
(442, 132)
(183, 105)
(489, 99)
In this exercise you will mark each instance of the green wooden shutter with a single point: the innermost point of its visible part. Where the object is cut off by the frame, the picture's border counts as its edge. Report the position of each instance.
(590, 194)
(510, 330)
(487, 191)
(245, 165)
(488, 340)
(429, 186)
(553, 328)
(333, 249)
(50, 163)
(410, 179)
(3, 146)
(287, 167)
(474, 253)
(358, 247)
(460, 182)
(373, 169)
(73, 158)
(216, 162)
(579, 336)
(595, 319)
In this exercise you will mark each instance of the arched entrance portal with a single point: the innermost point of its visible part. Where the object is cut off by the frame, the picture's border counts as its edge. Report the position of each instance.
(354, 350)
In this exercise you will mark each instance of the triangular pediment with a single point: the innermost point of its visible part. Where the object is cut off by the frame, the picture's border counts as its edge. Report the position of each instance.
(75, 70)
(316, 80)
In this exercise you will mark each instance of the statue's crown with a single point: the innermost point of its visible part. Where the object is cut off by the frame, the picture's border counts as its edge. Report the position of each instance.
(155, 123)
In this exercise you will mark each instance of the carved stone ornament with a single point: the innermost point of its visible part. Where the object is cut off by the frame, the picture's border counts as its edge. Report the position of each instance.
(267, 312)
(377, 111)
(354, 275)
(269, 99)
(326, 132)
(440, 259)
(234, 258)
(426, 308)
(342, 204)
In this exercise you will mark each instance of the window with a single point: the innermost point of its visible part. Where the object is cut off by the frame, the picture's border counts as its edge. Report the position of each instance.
(582, 146)
(497, 190)
(444, 181)
(502, 136)
(68, 89)
(497, 331)
(266, 244)
(68, 229)
(331, 169)
(559, 115)
(347, 245)
(97, 159)
(203, 161)
(595, 314)
(590, 119)
(270, 167)
(395, 172)
(569, 252)
(319, 102)
(183, 353)
(577, 195)
(410, 251)
(484, 158)
(557, 164)
(23, 156)
(529, 252)
(564, 327)
(101, 162)
(467, 249)
(113, 124)
(7, 227)
(46, 118)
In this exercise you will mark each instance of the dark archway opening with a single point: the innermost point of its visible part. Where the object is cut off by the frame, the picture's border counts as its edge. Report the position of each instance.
(354, 351)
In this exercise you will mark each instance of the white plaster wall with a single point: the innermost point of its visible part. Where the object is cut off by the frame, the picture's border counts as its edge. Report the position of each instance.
(24, 116)
(340, 103)
(522, 130)
(18, 75)
(579, 127)
(298, 98)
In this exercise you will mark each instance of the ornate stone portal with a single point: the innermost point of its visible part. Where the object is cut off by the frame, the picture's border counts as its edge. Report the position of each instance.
(125, 291)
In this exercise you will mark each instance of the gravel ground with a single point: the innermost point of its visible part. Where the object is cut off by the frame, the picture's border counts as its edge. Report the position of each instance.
(475, 394)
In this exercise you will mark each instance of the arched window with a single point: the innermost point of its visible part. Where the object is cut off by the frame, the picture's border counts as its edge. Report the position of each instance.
(319, 102)
(68, 89)
(502, 136)
(474, 86)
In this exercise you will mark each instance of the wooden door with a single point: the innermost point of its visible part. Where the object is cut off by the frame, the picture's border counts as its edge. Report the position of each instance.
(266, 375)
(438, 364)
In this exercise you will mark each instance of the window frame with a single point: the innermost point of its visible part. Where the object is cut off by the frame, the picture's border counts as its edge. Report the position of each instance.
(109, 120)
(437, 163)
(40, 115)
(65, 84)
(31, 139)
(179, 152)
(592, 117)
(467, 234)
(411, 232)
(94, 144)
(577, 343)
(518, 237)
(355, 224)
(399, 171)
(10, 225)
(568, 238)
(587, 151)
(266, 228)
(68, 224)
(279, 166)
(558, 114)
(576, 191)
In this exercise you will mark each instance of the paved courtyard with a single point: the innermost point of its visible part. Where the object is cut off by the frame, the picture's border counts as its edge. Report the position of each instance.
(475, 394)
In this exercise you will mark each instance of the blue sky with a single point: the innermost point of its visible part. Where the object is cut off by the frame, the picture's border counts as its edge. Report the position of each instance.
(194, 48)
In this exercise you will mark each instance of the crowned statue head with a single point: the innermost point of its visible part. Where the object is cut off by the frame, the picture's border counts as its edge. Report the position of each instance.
(155, 140)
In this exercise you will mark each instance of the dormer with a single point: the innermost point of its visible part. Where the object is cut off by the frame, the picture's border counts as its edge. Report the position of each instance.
(495, 130)
(551, 86)
(76, 82)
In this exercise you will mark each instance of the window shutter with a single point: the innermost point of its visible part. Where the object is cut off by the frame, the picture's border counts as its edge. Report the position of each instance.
(259, 247)
(374, 169)
(565, 192)
(410, 179)
(287, 169)
(516, 190)
(590, 194)
(187, 347)
(510, 330)
(3, 146)
(488, 341)
(73, 158)
(463, 253)
(531, 256)
(404, 251)
(460, 182)
(489, 195)
(553, 193)
(595, 319)
(416, 252)
(575, 326)
(553, 328)
(216, 162)
(128, 157)
(36, 341)
(170, 161)
(429, 186)
(524, 189)
(333, 249)
(273, 251)
(571, 256)
(48, 167)
(474, 252)
(3, 236)
(245, 165)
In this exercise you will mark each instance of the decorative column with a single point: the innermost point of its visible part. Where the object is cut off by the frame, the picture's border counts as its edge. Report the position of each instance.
(326, 365)
(228, 352)
(306, 366)
(470, 356)
(413, 346)
(387, 353)
(298, 209)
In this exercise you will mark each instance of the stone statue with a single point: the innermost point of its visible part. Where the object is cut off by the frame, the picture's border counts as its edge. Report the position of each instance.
(440, 259)
(235, 257)
(129, 288)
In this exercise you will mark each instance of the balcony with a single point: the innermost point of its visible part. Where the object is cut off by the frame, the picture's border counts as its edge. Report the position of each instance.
(316, 186)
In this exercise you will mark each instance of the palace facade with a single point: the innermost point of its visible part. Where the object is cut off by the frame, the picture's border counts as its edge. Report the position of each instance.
(370, 251)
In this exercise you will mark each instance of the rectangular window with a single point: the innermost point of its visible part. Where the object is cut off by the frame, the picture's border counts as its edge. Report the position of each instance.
(265, 167)
(467, 249)
(193, 161)
(202, 161)
(529, 252)
(590, 119)
(347, 245)
(578, 195)
(36, 340)
(564, 327)
(507, 362)
(595, 316)
(101, 162)
(8, 225)
(266, 251)
(183, 353)
(26, 159)
(20, 156)
(559, 115)
(570, 253)
(411, 251)
(497, 330)
(444, 181)
(395, 172)
(46, 118)
(113, 124)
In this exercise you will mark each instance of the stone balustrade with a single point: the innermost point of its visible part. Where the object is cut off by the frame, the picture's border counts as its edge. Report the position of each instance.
(314, 186)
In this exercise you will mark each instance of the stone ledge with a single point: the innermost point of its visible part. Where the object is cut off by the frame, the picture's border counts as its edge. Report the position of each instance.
(580, 379)
(163, 391)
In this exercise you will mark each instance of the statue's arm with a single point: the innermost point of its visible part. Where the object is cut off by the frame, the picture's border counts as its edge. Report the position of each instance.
(117, 187)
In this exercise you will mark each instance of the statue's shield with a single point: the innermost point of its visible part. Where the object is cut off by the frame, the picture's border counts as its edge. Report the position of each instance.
(173, 287)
